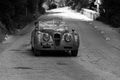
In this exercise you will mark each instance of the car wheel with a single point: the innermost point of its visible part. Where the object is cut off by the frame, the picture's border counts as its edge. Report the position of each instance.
(35, 52)
(74, 53)
(32, 49)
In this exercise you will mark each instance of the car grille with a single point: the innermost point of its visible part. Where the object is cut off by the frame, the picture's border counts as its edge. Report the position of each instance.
(57, 39)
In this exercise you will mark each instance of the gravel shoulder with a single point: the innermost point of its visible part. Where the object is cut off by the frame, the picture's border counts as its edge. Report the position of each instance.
(111, 35)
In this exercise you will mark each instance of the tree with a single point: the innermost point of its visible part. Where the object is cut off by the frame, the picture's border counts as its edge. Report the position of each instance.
(14, 12)
(77, 4)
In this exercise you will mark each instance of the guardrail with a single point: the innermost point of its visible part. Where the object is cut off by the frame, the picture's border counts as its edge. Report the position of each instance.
(90, 13)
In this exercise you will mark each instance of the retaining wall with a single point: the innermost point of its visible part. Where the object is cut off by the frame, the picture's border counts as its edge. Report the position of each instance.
(90, 13)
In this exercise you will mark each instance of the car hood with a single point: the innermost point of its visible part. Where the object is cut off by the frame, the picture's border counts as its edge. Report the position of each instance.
(54, 30)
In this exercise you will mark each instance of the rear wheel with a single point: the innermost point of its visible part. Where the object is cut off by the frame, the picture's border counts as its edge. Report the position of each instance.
(74, 53)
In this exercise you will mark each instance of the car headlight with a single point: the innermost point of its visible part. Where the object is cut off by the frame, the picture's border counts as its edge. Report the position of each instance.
(46, 37)
(68, 37)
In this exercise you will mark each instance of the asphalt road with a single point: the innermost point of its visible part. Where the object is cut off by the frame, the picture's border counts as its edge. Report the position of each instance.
(18, 63)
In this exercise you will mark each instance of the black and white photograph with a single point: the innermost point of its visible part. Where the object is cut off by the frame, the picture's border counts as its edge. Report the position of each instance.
(59, 40)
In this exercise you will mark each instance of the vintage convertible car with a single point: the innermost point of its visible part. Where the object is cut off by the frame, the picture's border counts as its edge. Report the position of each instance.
(54, 36)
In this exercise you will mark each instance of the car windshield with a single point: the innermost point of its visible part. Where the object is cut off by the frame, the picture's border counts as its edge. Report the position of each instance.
(53, 24)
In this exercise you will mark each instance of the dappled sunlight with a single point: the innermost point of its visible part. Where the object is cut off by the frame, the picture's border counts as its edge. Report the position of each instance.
(66, 12)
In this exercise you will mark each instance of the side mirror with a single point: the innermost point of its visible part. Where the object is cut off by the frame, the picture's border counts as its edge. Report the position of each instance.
(73, 30)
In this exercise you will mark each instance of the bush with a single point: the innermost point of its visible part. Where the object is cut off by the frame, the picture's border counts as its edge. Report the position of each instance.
(115, 20)
(2, 31)
(112, 12)
(78, 4)
(17, 13)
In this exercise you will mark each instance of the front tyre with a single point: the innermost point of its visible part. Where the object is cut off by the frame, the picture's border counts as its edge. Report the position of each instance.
(35, 52)
(74, 53)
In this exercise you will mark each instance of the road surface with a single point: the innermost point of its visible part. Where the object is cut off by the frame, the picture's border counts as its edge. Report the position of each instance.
(96, 60)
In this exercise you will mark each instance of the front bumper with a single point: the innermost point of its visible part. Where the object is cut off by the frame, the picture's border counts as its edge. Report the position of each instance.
(52, 46)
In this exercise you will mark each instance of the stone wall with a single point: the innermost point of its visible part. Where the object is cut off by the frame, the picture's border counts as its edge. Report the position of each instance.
(90, 13)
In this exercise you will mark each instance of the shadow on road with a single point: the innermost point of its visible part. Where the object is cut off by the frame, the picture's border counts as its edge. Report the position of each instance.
(54, 54)
(42, 54)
